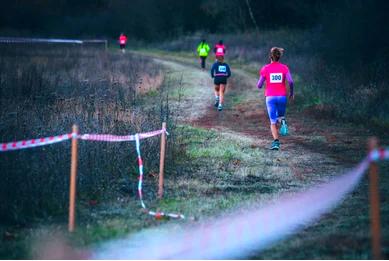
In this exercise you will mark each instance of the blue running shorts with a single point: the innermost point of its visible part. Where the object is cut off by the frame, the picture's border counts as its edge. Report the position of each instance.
(276, 107)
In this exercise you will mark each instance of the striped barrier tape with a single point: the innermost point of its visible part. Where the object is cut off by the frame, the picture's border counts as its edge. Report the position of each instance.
(32, 143)
(375, 155)
(115, 138)
(25, 144)
(140, 166)
(17, 145)
(238, 234)
(158, 214)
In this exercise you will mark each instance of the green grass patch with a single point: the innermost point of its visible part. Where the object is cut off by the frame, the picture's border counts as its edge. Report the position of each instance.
(237, 99)
(177, 93)
(213, 145)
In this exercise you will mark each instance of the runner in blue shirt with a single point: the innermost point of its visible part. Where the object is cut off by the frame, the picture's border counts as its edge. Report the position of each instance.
(220, 72)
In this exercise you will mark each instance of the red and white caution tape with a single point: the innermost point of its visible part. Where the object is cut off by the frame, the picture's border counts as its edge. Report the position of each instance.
(24, 144)
(244, 231)
(114, 138)
(17, 145)
(158, 214)
(240, 233)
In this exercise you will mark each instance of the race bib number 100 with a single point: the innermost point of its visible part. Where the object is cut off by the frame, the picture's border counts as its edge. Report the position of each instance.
(276, 78)
(222, 68)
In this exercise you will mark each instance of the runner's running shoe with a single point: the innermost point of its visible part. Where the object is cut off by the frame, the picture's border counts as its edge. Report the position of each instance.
(220, 107)
(216, 102)
(275, 145)
(283, 128)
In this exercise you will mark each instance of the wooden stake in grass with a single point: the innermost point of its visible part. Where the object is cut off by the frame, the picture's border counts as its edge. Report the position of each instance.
(73, 177)
(374, 203)
(162, 161)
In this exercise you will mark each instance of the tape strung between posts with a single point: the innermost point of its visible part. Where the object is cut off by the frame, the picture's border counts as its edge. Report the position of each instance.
(140, 183)
(17, 145)
(115, 138)
(25, 144)
(375, 155)
(238, 234)
(32, 143)
(137, 137)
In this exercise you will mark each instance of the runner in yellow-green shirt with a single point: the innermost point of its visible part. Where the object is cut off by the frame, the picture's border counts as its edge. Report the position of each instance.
(203, 51)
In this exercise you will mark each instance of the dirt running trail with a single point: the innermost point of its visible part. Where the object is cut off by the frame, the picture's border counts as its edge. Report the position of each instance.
(316, 149)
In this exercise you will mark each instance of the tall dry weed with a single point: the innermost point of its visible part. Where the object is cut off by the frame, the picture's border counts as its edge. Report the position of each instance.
(46, 89)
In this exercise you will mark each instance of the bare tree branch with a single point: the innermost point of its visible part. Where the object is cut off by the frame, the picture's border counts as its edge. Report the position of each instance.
(252, 15)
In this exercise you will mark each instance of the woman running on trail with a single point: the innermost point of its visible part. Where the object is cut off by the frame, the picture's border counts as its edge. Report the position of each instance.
(220, 72)
(219, 49)
(275, 74)
(122, 42)
(203, 50)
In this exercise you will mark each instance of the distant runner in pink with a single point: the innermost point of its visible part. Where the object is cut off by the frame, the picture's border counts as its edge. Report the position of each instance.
(122, 42)
(219, 49)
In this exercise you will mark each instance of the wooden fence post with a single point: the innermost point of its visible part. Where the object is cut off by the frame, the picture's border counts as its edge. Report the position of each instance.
(162, 161)
(73, 178)
(374, 203)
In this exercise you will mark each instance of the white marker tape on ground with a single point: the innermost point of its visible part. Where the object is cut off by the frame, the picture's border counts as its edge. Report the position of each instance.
(237, 235)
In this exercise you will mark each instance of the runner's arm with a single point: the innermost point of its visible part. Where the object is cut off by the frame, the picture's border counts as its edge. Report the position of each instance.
(291, 84)
(228, 71)
(260, 82)
(213, 70)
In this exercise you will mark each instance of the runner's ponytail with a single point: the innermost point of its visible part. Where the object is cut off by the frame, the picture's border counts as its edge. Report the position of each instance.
(276, 53)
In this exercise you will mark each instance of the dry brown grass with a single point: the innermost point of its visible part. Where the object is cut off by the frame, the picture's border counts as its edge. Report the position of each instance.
(46, 89)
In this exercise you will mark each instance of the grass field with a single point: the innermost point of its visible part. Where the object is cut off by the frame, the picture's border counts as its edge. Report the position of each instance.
(44, 91)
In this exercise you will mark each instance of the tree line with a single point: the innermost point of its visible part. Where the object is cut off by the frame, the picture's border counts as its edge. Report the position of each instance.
(349, 36)
(152, 19)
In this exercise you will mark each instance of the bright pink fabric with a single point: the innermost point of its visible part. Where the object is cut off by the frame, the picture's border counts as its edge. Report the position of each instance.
(220, 49)
(122, 39)
(275, 75)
